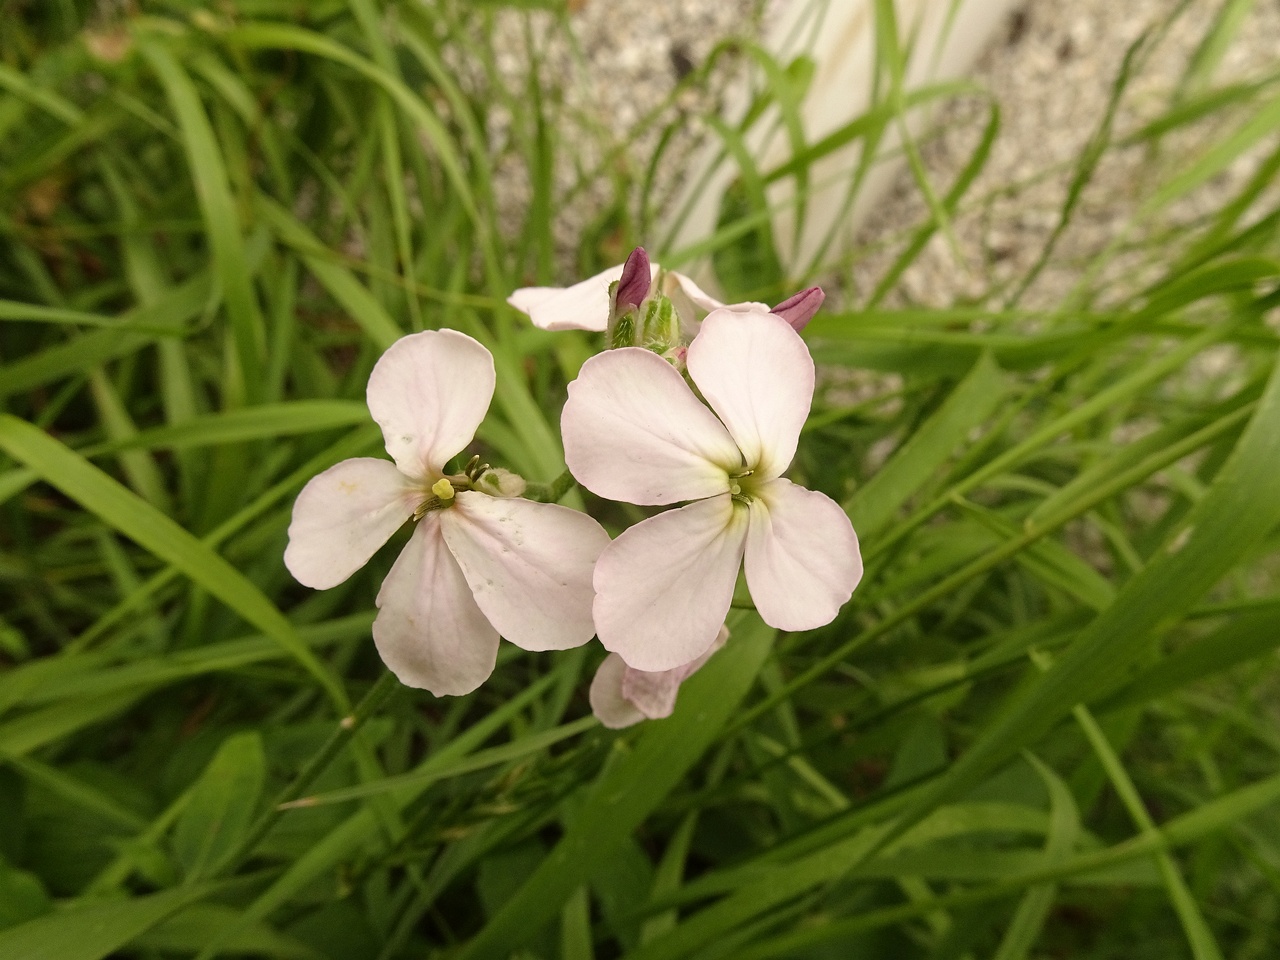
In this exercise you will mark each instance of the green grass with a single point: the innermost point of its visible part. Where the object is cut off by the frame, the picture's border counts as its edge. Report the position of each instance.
(1047, 724)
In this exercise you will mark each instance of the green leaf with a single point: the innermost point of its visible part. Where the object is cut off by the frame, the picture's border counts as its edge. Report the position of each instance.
(22, 896)
(223, 802)
(1199, 936)
(190, 929)
(1214, 816)
(1223, 151)
(138, 520)
(82, 353)
(629, 790)
(930, 445)
(362, 829)
(1064, 827)
(419, 779)
(1241, 508)
(204, 156)
(1247, 637)
(378, 325)
(40, 727)
(93, 930)
(288, 37)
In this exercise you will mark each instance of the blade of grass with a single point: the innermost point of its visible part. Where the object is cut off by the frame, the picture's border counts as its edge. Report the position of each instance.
(629, 790)
(142, 523)
(234, 270)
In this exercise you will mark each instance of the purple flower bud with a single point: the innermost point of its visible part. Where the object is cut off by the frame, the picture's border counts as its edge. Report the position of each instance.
(636, 278)
(798, 310)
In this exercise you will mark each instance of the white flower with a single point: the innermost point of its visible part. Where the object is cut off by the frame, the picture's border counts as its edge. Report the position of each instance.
(634, 431)
(585, 305)
(621, 695)
(477, 565)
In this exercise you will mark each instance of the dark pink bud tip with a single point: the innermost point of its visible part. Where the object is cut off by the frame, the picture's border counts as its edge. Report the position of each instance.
(636, 277)
(798, 310)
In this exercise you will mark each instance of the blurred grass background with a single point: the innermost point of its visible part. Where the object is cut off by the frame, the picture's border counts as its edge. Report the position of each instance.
(1046, 725)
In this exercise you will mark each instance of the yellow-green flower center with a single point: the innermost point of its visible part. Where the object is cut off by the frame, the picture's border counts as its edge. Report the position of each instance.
(742, 485)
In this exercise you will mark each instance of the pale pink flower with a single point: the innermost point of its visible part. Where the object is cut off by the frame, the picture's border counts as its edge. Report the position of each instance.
(478, 564)
(585, 305)
(621, 696)
(634, 431)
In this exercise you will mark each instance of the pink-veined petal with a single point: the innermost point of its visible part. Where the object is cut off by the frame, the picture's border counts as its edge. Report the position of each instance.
(664, 586)
(802, 556)
(529, 566)
(583, 306)
(634, 431)
(654, 694)
(757, 375)
(342, 517)
(607, 702)
(429, 631)
(428, 393)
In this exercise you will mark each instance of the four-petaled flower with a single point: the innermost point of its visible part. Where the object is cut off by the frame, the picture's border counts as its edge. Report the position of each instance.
(479, 564)
(634, 431)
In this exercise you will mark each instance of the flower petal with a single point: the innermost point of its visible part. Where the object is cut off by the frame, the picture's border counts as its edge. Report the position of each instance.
(529, 566)
(607, 702)
(342, 517)
(654, 694)
(757, 374)
(583, 306)
(634, 431)
(664, 586)
(429, 631)
(675, 284)
(802, 556)
(428, 393)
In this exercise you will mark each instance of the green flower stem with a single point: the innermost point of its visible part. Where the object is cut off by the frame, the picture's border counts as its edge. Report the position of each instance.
(551, 492)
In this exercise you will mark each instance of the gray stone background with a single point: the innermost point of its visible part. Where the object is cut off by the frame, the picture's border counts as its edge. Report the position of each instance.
(1051, 68)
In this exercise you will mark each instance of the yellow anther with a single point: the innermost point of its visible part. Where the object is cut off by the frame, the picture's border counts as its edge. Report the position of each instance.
(443, 489)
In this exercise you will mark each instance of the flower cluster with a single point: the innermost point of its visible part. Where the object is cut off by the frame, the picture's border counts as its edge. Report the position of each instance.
(694, 402)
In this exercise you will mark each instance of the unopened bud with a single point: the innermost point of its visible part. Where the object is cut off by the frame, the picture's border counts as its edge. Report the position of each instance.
(501, 483)
(634, 284)
(798, 310)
